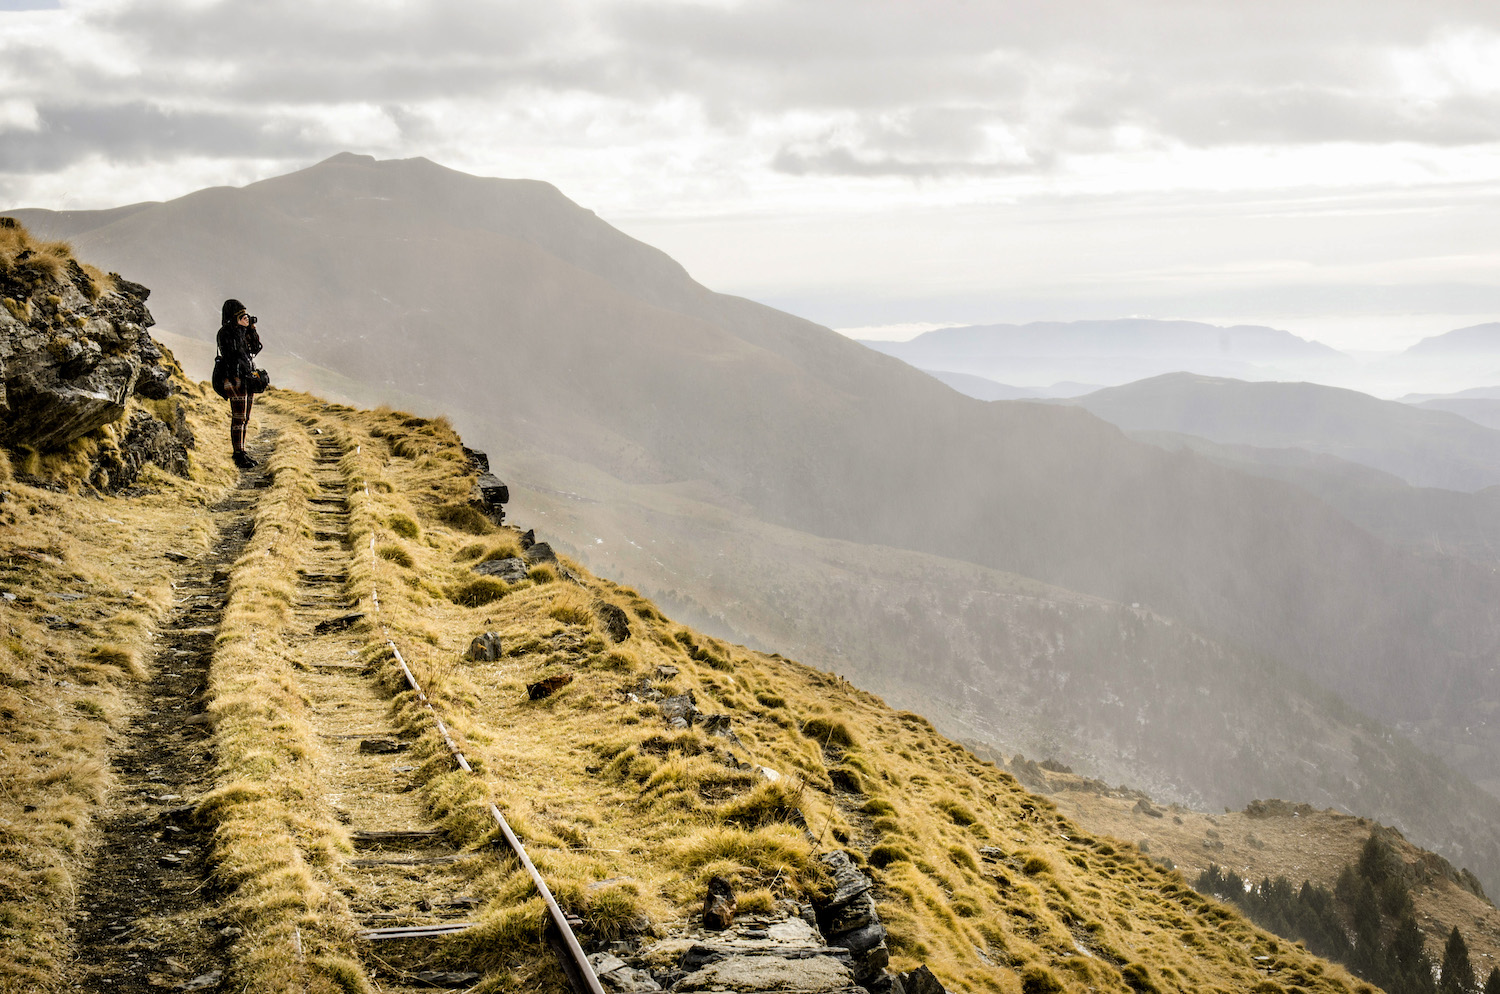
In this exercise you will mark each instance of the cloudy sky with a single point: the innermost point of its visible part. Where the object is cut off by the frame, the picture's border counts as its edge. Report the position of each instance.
(1328, 166)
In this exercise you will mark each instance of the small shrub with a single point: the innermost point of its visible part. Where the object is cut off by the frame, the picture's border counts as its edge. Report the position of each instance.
(463, 517)
(956, 812)
(571, 611)
(1039, 981)
(885, 854)
(962, 857)
(397, 555)
(542, 574)
(119, 656)
(1137, 979)
(613, 911)
(757, 902)
(878, 806)
(402, 525)
(828, 732)
(770, 802)
(770, 700)
(1035, 865)
(479, 591)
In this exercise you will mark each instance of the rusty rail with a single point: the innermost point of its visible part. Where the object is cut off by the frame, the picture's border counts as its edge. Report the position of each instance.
(560, 935)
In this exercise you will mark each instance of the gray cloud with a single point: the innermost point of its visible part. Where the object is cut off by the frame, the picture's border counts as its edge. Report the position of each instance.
(140, 132)
(922, 88)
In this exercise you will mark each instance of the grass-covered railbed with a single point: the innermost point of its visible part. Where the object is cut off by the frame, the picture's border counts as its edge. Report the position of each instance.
(88, 587)
(277, 844)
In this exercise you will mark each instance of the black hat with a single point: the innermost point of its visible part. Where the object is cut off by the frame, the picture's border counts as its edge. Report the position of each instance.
(231, 311)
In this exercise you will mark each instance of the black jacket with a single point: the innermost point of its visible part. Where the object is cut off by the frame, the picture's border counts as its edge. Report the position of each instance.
(238, 346)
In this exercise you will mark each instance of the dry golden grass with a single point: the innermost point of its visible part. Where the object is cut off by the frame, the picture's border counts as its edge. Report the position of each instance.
(977, 878)
(277, 843)
(90, 586)
(27, 260)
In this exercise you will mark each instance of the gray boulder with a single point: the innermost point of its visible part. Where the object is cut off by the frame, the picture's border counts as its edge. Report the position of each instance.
(70, 357)
(510, 570)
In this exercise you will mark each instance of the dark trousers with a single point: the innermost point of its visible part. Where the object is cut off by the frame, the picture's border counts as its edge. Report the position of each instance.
(240, 402)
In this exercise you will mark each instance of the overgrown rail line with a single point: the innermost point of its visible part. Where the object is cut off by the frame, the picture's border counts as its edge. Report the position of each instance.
(409, 889)
(193, 861)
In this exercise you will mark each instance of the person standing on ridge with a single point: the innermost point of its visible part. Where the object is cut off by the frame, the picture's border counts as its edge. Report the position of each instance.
(235, 376)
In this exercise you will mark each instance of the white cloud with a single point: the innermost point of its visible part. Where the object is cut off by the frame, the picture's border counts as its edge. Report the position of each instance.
(892, 123)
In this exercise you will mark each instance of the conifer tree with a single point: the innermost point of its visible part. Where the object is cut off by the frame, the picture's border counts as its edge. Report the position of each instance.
(1365, 912)
(1492, 985)
(1458, 973)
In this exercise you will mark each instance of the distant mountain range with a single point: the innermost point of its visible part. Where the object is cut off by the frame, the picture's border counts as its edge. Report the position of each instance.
(803, 491)
(1424, 446)
(1112, 352)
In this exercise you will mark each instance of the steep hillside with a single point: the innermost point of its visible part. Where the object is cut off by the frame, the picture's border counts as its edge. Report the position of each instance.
(546, 332)
(1270, 839)
(1426, 448)
(1478, 410)
(219, 778)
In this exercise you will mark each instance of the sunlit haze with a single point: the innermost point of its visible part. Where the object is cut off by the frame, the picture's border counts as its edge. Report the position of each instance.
(1329, 168)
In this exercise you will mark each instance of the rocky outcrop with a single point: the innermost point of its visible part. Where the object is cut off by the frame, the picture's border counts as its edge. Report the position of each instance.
(71, 354)
(848, 919)
(491, 494)
(147, 440)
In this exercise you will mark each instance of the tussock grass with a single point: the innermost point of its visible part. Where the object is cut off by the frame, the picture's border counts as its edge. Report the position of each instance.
(25, 259)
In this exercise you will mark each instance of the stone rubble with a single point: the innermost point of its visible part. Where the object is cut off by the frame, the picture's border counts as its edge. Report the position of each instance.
(485, 648)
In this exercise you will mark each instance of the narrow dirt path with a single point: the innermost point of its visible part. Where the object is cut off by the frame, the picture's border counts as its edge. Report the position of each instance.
(143, 924)
(405, 875)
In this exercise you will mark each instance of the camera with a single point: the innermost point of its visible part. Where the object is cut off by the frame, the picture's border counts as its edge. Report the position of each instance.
(252, 319)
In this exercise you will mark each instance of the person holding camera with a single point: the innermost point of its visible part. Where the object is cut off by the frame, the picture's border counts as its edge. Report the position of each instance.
(235, 376)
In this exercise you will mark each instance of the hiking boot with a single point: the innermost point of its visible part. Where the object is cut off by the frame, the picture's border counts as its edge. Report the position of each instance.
(243, 460)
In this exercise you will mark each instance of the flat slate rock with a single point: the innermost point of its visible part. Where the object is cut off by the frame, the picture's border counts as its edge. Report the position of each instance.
(510, 570)
(541, 552)
(750, 974)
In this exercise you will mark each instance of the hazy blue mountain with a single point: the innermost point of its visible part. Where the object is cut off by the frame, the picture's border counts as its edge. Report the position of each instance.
(1473, 393)
(1424, 447)
(1474, 341)
(593, 361)
(984, 389)
(1112, 352)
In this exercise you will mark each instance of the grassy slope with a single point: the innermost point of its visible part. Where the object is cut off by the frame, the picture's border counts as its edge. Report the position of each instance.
(594, 782)
(90, 585)
(1305, 845)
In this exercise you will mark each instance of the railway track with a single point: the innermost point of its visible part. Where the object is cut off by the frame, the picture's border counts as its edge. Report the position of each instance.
(158, 910)
(407, 884)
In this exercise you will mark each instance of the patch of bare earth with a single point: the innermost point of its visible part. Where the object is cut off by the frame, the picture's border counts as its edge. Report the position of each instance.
(143, 923)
